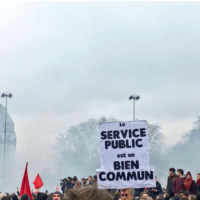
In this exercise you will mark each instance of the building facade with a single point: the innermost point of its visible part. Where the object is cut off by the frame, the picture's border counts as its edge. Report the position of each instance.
(9, 148)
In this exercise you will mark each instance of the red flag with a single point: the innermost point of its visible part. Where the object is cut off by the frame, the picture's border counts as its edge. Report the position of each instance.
(57, 189)
(38, 182)
(25, 187)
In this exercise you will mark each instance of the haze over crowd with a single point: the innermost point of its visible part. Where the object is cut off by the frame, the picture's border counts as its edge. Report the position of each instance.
(67, 62)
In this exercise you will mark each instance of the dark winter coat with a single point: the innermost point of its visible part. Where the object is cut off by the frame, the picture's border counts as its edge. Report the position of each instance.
(69, 185)
(63, 186)
(158, 188)
(197, 188)
(192, 189)
(169, 187)
(178, 184)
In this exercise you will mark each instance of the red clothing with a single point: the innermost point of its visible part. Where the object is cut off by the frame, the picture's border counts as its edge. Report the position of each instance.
(190, 185)
(192, 189)
(178, 184)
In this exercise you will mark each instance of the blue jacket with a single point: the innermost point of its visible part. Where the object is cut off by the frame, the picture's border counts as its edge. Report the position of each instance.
(69, 185)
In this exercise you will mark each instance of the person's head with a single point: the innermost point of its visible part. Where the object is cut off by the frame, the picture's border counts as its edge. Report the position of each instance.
(14, 197)
(116, 195)
(160, 197)
(143, 194)
(166, 196)
(57, 196)
(95, 177)
(24, 197)
(83, 180)
(125, 194)
(180, 172)
(171, 171)
(187, 194)
(198, 176)
(8, 197)
(87, 193)
(69, 179)
(90, 178)
(75, 178)
(192, 197)
(142, 198)
(149, 198)
(43, 196)
(188, 175)
(2, 195)
(182, 193)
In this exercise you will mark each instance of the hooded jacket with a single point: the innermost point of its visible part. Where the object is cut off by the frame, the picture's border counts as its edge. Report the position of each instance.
(192, 188)
(178, 184)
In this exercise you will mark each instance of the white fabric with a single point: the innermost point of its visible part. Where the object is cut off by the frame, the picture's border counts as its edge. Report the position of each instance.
(118, 141)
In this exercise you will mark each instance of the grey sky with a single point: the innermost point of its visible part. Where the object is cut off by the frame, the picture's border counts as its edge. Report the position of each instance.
(66, 62)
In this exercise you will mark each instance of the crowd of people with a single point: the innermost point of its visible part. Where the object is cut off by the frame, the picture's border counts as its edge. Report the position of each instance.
(74, 183)
(179, 187)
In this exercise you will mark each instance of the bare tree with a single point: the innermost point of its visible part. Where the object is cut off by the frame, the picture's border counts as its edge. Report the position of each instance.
(79, 148)
(185, 153)
(156, 142)
(77, 151)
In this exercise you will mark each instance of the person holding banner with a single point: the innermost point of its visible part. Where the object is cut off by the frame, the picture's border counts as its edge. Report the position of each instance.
(155, 191)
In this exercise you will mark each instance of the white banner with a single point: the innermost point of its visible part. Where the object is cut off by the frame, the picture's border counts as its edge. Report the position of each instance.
(124, 156)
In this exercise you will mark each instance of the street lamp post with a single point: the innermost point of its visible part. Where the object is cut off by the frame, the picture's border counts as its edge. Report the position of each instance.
(7, 96)
(134, 98)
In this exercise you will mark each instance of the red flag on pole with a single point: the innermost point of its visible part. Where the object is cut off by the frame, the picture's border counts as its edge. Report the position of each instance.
(25, 187)
(38, 182)
(57, 189)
